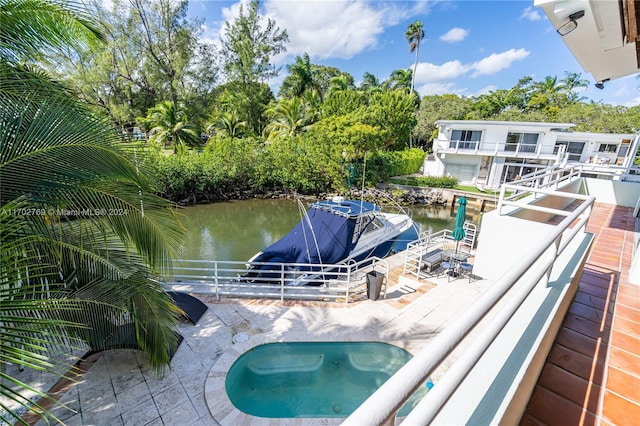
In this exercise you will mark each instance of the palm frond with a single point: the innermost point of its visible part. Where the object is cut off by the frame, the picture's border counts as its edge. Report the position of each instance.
(31, 26)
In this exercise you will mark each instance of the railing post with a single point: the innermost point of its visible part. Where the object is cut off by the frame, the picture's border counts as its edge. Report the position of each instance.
(500, 199)
(553, 254)
(215, 280)
(282, 283)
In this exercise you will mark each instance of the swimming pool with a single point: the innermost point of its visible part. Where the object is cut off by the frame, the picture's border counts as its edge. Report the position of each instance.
(312, 379)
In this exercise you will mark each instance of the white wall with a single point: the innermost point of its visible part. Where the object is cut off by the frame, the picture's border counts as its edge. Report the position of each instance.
(503, 241)
(613, 192)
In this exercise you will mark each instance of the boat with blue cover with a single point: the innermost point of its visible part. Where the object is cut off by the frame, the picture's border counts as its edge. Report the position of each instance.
(332, 232)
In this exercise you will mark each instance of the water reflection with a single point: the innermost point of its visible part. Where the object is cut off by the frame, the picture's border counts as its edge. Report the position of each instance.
(236, 230)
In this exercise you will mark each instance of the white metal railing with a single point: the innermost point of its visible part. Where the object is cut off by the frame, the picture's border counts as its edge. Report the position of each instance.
(495, 148)
(291, 281)
(544, 182)
(382, 406)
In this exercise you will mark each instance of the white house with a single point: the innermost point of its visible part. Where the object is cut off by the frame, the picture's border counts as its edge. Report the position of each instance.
(490, 153)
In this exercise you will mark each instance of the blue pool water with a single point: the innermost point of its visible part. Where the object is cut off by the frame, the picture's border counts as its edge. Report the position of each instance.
(312, 379)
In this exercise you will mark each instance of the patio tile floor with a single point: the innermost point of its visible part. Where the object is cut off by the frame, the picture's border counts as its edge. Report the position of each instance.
(592, 374)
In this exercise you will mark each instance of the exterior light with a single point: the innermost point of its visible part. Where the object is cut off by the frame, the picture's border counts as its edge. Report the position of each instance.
(567, 27)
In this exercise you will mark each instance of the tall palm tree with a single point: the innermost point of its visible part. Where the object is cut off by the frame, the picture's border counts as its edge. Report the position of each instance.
(81, 233)
(549, 85)
(300, 79)
(414, 35)
(168, 125)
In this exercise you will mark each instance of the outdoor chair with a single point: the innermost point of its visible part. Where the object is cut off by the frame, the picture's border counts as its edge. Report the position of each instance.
(466, 270)
(449, 269)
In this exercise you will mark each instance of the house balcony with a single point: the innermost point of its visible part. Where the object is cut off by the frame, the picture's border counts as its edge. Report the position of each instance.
(559, 346)
(495, 149)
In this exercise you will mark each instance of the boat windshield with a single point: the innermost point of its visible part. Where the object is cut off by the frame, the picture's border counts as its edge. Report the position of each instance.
(374, 225)
(365, 224)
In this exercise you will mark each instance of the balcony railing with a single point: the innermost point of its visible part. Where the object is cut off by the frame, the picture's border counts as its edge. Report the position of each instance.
(519, 281)
(495, 148)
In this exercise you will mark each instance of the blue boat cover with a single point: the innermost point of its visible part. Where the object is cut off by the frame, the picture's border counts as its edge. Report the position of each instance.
(324, 235)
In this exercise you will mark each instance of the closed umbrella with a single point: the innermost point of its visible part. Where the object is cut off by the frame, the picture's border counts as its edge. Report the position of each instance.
(458, 232)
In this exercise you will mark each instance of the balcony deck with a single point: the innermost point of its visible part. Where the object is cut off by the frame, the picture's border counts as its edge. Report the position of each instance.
(592, 374)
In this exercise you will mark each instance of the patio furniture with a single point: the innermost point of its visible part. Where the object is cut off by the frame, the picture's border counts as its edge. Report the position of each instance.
(431, 261)
(192, 307)
(449, 269)
(466, 269)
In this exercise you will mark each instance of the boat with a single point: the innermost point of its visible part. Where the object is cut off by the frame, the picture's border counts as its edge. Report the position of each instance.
(333, 231)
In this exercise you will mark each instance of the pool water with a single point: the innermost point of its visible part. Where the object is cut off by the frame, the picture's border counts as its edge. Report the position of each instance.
(312, 379)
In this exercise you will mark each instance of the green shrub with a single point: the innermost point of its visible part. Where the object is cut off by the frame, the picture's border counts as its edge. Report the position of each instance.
(429, 181)
(405, 162)
(307, 164)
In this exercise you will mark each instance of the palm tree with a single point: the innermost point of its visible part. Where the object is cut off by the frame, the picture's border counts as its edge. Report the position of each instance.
(340, 83)
(414, 35)
(370, 83)
(400, 79)
(32, 26)
(81, 233)
(300, 79)
(288, 117)
(548, 86)
(168, 125)
(571, 81)
(228, 123)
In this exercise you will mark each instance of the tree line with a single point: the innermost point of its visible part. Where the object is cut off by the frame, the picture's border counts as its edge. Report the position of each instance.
(157, 72)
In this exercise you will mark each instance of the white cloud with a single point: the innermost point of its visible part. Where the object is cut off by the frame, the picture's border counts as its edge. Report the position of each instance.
(485, 90)
(454, 35)
(531, 14)
(327, 29)
(633, 102)
(450, 70)
(436, 89)
(337, 28)
(430, 73)
(497, 62)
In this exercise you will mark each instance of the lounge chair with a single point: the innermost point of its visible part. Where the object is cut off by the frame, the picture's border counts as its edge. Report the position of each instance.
(193, 308)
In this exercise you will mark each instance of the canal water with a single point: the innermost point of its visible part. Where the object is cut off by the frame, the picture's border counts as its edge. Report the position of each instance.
(236, 230)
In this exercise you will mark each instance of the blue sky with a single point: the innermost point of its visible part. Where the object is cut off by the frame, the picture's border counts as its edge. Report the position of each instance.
(470, 47)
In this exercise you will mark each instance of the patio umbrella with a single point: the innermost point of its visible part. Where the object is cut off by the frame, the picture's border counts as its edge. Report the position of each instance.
(458, 231)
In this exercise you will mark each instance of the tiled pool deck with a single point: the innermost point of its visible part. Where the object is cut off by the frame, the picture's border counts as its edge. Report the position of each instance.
(119, 389)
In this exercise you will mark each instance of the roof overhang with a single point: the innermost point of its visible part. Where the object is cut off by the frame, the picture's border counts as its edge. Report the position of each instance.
(605, 39)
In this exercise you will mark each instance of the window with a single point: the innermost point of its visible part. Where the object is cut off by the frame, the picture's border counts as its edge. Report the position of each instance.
(521, 142)
(465, 139)
(623, 151)
(464, 172)
(608, 147)
(574, 149)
